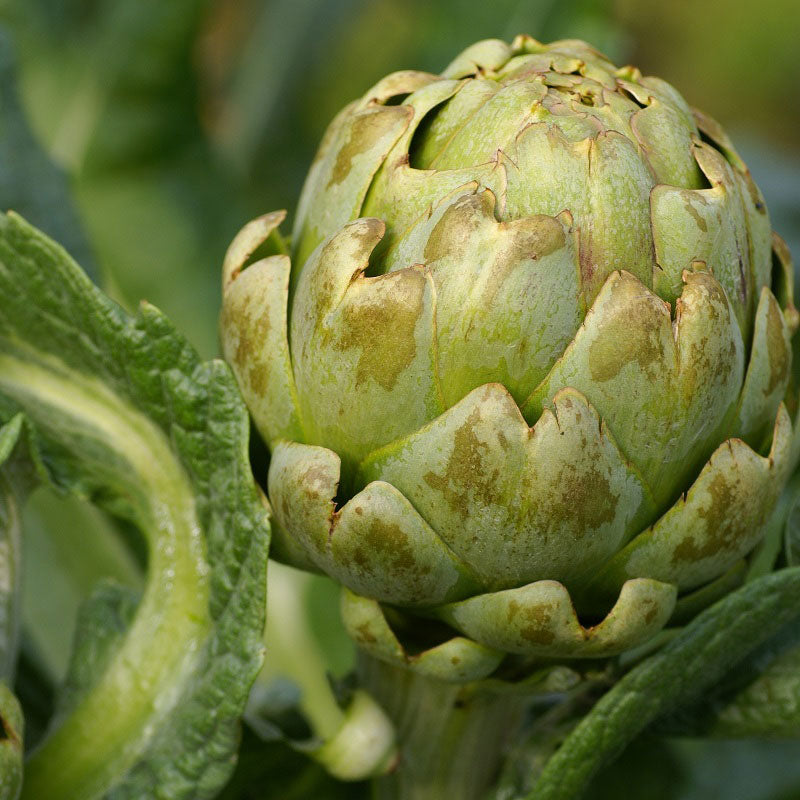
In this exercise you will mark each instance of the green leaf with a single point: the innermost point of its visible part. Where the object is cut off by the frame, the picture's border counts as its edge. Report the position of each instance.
(696, 659)
(654, 768)
(760, 697)
(69, 546)
(125, 413)
(103, 621)
(769, 706)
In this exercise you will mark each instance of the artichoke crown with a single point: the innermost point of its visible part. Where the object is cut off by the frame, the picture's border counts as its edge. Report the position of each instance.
(528, 355)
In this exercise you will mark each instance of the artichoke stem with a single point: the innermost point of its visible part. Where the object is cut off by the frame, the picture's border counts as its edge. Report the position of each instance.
(452, 737)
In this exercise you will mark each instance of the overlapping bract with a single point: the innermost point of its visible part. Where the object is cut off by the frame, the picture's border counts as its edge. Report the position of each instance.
(528, 356)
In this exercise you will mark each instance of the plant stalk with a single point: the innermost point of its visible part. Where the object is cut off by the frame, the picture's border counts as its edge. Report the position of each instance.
(452, 737)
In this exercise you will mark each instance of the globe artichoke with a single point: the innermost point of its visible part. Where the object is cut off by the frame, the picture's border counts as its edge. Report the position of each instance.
(523, 376)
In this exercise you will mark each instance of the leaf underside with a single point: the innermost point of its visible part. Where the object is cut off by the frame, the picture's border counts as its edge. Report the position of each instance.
(123, 412)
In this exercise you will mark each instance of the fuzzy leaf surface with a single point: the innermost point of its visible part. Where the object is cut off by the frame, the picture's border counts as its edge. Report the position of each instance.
(123, 412)
(696, 659)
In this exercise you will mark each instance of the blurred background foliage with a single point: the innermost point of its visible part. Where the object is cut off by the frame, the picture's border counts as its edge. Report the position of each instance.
(143, 133)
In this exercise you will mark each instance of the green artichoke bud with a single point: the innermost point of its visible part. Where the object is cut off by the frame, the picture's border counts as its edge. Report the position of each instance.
(524, 371)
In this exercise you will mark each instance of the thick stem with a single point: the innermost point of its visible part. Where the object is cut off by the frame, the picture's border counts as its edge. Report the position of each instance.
(451, 736)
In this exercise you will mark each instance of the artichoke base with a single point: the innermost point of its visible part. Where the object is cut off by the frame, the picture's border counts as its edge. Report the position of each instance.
(452, 737)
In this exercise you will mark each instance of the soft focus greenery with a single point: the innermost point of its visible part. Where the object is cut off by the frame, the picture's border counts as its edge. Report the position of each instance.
(142, 133)
(177, 121)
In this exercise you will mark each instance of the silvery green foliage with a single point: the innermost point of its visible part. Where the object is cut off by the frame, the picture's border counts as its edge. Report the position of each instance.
(122, 411)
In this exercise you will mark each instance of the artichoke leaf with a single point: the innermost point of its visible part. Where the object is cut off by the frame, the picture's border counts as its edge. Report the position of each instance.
(254, 332)
(704, 225)
(252, 236)
(667, 390)
(486, 55)
(564, 51)
(719, 520)
(665, 136)
(396, 84)
(784, 291)
(447, 121)
(402, 192)
(337, 184)
(714, 133)
(363, 348)
(540, 620)
(592, 178)
(496, 283)
(768, 371)
(667, 93)
(518, 504)
(377, 544)
(784, 284)
(493, 124)
(759, 230)
(456, 660)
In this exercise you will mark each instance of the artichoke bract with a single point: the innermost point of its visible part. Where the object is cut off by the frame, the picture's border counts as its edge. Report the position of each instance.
(523, 375)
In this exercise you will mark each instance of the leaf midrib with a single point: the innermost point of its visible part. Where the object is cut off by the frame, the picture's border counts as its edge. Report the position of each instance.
(172, 620)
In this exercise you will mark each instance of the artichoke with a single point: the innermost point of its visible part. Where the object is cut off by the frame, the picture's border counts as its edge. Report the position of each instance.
(524, 373)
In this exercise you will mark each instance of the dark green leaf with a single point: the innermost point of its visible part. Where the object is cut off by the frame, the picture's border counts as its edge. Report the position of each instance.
(759, 697)
(696, 659)
(103, 621)
(69, 546)
(655, 768)
(769, 705)
(125, 413)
